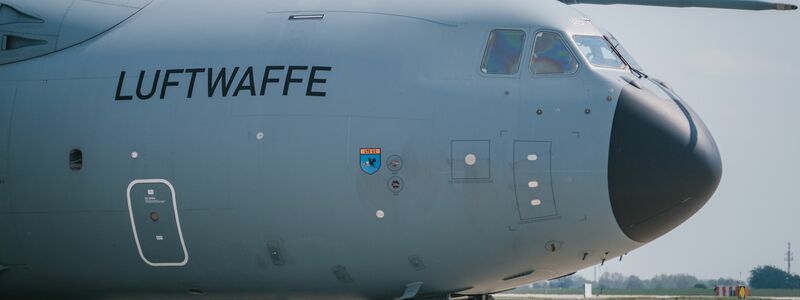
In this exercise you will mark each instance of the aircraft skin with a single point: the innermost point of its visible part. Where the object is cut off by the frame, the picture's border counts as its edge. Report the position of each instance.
(258, 183)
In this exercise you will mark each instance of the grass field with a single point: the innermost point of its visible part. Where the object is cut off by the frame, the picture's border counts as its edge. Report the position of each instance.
(619, 297)
(654, 293)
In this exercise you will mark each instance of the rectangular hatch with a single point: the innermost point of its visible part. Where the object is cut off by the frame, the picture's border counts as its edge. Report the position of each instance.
(533, 180)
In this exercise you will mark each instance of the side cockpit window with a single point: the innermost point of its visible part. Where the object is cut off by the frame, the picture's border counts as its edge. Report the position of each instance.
(551, 55)
(503, 52)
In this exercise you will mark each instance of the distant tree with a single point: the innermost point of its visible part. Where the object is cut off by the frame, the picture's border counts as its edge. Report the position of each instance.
(634, 283)
(578, 281)
(725, 281)
(673, 281)
(611, 281)
(769, 277)
(562, 283)
(763, 277)
(701, 286)
(722, 281)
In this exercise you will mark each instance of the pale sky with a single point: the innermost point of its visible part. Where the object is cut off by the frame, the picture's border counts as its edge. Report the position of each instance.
(739, 71)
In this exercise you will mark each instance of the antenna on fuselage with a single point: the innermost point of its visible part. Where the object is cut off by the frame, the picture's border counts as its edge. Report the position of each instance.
(725, 4)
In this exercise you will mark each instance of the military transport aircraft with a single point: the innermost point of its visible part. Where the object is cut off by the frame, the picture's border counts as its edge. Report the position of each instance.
(331, 149)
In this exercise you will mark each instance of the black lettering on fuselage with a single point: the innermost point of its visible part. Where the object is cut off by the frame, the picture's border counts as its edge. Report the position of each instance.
(193, 80)
(228, 82)
(152, 89)
(248, 76)
(268, 80)
(120, 83)
(312, 79)
(289, 80)
(168, 83)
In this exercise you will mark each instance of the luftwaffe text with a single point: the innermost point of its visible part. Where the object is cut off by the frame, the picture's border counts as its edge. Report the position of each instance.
(225, 82)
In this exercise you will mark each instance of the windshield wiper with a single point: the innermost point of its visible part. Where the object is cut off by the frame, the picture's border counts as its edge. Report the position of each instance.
(635, 71)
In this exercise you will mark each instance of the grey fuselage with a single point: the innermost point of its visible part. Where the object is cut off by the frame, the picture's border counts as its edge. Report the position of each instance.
(260, 184)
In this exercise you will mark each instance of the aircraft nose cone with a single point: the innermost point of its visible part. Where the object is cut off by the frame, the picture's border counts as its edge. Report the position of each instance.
(663, 164)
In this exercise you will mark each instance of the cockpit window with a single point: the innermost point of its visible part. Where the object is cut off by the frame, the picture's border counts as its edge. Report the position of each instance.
(623, 52)
(598, 52)
(503, 52)
(551, 55)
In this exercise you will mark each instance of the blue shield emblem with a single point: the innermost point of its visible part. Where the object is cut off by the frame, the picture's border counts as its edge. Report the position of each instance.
(370, 160)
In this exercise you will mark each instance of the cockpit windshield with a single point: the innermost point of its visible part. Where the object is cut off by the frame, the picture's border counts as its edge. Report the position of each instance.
(598, 51)
(627, 56)
(606, 52)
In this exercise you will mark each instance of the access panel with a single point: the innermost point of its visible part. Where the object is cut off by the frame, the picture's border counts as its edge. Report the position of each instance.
(533, 180)
(156, 226)
(470, 159)
(7, 96)
(12, 251)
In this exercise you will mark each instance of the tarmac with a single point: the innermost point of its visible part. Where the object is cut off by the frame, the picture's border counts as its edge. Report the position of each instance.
(576, 297)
